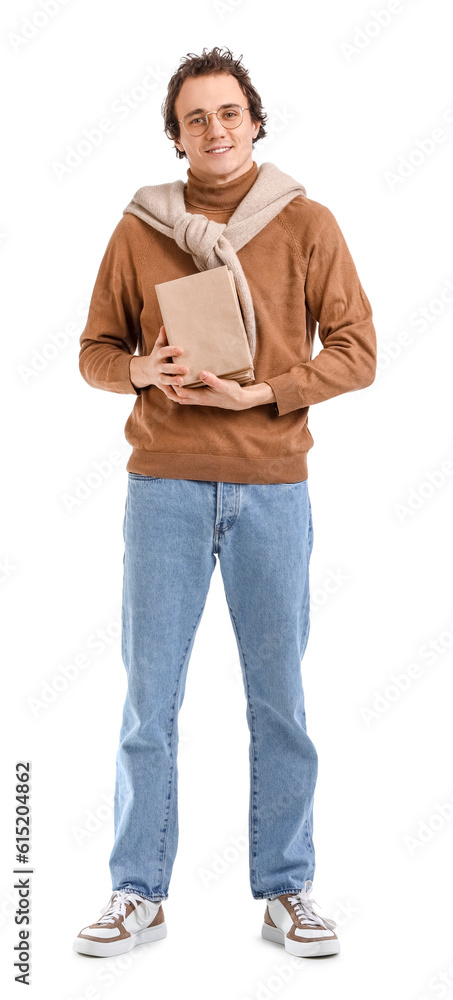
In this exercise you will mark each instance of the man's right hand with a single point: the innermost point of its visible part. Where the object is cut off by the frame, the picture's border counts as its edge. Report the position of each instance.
(154, 369)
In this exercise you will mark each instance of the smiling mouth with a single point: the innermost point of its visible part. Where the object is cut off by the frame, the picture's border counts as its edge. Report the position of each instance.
(219, 151)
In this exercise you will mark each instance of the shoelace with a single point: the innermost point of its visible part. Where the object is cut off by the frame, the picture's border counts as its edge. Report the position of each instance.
(304, 908)
(118, 906)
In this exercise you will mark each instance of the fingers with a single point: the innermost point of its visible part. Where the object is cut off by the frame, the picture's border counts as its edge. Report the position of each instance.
(171, 381)
(172, 374)
(170, 351)
(170, 391)
(173, 370)
(169, 372)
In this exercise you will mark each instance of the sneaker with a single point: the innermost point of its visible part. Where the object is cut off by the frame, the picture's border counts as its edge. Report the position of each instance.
(291, 920)
(127, 920)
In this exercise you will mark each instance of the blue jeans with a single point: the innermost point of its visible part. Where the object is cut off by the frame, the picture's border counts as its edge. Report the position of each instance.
(263, 538)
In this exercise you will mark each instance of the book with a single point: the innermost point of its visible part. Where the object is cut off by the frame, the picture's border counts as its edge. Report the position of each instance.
(202, 314)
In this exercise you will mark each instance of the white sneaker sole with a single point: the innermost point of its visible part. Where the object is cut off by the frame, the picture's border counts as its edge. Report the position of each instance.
(308, 949)
(101, 949)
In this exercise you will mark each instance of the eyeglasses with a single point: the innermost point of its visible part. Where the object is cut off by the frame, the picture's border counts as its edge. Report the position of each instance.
(229, 115)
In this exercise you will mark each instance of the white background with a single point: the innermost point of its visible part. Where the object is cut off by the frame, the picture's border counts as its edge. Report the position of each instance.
(348, 99)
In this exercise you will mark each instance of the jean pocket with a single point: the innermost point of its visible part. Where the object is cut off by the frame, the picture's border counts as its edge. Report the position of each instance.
(138, 475)
(298, 483)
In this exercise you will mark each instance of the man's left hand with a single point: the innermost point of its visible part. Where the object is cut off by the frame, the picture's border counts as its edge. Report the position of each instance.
(222, 392)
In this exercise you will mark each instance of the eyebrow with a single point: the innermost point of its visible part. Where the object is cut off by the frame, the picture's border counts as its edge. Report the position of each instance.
(197, 110)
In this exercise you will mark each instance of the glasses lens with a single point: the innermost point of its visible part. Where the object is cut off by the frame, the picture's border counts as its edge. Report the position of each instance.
(230, 117)
(195, 124)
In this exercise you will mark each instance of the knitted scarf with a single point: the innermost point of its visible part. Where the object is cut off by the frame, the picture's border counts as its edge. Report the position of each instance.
(210, 243)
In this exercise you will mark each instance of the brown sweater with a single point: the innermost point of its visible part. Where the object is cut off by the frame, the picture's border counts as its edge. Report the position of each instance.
(301, 274)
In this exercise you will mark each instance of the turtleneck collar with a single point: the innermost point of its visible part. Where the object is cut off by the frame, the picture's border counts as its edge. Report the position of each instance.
(221, 197)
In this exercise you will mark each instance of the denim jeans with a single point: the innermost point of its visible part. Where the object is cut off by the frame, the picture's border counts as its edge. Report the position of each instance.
(263, 537)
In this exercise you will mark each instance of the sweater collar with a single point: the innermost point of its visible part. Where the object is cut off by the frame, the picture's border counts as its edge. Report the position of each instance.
(220, 197)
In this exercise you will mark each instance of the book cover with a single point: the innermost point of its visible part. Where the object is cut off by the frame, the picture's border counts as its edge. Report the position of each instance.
(202, 314)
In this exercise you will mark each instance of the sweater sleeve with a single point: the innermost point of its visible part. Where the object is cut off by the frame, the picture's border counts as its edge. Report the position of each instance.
(336, 300)
(113, 329)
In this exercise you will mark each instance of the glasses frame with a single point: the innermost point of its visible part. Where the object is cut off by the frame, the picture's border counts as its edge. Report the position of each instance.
(216, 113)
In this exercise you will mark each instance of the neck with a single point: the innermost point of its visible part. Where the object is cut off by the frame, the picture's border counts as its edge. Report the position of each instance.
(223, 197)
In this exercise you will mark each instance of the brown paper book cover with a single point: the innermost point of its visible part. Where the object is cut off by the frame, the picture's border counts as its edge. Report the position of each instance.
(202, 314)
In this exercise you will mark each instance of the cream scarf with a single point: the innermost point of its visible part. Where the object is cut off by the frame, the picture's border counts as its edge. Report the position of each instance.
(215, 243)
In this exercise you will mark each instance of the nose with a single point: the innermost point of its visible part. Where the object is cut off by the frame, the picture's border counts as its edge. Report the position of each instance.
(215, 128)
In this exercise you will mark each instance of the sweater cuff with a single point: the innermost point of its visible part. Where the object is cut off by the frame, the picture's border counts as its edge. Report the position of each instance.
(286, 391)
(132, 387)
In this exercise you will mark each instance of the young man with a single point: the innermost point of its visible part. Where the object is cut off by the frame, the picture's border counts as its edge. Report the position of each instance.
(221, 470)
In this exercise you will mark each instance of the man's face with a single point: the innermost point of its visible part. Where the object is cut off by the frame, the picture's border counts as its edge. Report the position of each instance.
(209, 93)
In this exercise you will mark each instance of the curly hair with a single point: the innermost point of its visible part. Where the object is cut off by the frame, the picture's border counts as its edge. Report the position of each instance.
(217, 60)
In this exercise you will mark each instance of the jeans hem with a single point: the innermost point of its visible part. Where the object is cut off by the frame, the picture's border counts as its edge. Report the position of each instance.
(139, 892)
(279, 892)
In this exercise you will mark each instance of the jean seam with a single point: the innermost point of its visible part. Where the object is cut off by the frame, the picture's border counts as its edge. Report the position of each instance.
(172, 741)
(254, 778)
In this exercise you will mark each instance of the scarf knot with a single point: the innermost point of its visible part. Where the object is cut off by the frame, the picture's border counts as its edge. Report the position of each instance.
(197, 235)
